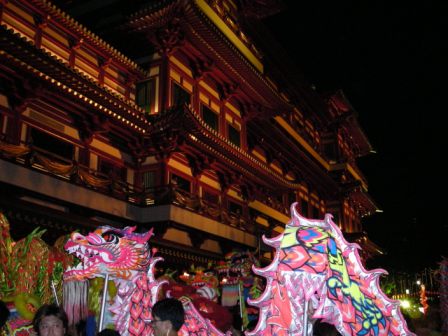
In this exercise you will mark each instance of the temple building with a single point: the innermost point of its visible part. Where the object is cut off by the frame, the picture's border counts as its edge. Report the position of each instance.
(172, 115)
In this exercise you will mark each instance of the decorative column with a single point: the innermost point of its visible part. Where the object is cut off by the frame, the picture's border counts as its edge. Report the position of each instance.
(41, 24)
(167, 39)
(103, 64)
(74, 44)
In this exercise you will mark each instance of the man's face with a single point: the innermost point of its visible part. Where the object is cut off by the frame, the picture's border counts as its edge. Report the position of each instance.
(51, 326)
(160, 327)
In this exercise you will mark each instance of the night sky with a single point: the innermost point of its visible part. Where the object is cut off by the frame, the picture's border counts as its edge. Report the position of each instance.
(387, 59)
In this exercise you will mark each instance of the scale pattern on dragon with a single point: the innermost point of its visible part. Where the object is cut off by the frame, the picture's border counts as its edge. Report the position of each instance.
(316, 274)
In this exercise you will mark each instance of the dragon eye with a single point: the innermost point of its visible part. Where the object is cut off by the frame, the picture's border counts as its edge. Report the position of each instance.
(111, 237)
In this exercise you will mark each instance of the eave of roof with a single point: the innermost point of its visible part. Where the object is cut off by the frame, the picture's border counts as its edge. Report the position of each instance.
(364, 201)
(68, 24)
(198, 134)
(22, 53)
(203, 34)
(349, 120)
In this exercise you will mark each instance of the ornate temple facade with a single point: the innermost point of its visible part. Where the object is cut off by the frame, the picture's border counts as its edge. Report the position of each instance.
(188, 129)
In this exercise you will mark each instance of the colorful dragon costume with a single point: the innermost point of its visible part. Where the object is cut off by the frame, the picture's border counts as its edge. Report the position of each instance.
(27, 267)
(204, 280)
(127, 259)
(238, 279)
(316, 274)
(199, 286)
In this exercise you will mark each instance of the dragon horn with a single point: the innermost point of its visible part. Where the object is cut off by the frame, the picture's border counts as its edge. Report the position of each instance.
(130, 229)
(145, 236)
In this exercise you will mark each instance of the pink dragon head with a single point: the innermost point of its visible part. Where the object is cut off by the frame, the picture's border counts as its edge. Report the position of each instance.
(125, 256)
(120, 253)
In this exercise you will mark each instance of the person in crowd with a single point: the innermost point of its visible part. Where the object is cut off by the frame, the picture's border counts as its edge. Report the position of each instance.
(108, 332)
(430, 324)
(50, 320)
(237, 321)
(324, 329)
(79, 329)
(4, 315)
(409, 322)
(168, 316)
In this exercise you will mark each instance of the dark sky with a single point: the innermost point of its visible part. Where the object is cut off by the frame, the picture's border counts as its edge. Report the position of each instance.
(387, 58)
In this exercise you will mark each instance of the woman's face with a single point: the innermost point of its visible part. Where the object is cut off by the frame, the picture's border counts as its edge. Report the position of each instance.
(51, 326)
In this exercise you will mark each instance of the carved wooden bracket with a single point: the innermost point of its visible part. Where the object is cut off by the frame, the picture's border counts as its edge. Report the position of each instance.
(227, 90)
(169, 37)
(226, 246)
(197, 164)
(224, 180)
(247, 192)
(23, 95)
(200, 67)
(160, 229)
(88, 126)
(197, 238)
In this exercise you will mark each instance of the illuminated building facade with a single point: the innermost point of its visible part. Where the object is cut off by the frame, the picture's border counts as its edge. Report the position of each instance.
(185, 129)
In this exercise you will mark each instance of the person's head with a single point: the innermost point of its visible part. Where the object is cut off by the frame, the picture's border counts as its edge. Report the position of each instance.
(168, 316)
(50, 320)
(237, 322)
(4, 314)
(80, 328)
(324, 329)
(108, 332)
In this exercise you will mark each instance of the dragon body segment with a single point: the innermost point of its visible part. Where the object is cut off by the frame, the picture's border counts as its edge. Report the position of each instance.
(127, 259)
(315, 274)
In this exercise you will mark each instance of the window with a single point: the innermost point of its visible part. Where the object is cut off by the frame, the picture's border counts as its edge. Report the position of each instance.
(210, 197)
(146, 95)
(210, 118)
(180, 182)
(111, 170)
(235, 208)
(149, 179)
(180, 96)
(234, 136)
(51, 144)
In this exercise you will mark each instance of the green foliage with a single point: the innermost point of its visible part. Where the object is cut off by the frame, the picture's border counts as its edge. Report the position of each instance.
(389, 287)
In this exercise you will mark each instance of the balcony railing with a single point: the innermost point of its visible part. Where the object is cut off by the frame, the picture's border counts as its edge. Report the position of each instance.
(75, 173)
